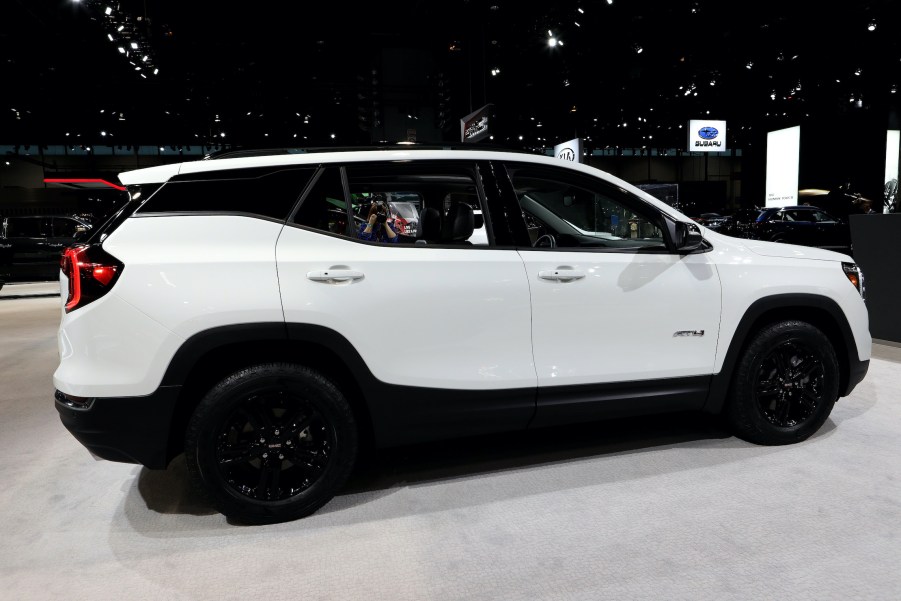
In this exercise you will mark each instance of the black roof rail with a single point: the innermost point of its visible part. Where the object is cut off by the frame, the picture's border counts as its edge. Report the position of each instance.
(255, 152)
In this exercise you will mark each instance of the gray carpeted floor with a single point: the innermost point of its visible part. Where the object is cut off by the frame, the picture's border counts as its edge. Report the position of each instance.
(666, 508)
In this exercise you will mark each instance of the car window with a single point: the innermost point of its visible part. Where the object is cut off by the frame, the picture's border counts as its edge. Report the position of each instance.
(427, 202)
(26, 227)
(821, 216)
(323, 207)
(797, 215)
(65, 228)
(579, 213)
(268, 192)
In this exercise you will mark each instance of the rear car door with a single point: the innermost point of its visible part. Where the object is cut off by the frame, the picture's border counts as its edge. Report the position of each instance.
(619, 321)
(439, 325)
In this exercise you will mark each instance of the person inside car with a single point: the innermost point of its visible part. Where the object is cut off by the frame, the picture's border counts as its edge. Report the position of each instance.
(376, 228)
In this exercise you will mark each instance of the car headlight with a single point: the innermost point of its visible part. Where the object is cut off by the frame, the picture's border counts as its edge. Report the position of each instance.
(855, 276)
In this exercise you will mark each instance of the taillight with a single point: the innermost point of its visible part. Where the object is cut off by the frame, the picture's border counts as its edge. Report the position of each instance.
(91, 272)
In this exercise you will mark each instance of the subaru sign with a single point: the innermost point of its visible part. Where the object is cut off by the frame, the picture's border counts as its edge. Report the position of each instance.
(706, 136)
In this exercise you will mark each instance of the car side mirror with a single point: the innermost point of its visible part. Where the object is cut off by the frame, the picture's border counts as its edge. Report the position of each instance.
(685, 236)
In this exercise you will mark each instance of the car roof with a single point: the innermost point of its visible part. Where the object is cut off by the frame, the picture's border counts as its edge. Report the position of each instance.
(162, 173)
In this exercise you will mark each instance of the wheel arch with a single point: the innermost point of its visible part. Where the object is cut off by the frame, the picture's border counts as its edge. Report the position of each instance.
(820, 311)
(209, 356)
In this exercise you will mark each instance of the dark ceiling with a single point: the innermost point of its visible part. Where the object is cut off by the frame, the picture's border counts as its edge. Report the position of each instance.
(301, 72)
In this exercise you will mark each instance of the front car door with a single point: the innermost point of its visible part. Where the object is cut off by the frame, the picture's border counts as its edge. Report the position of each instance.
(620, 322)
(438, 324)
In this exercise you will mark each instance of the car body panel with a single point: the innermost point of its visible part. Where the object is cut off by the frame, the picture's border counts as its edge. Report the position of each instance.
(467, 307)
(611, 325)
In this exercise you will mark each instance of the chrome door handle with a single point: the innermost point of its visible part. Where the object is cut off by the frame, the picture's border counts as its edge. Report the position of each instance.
(335, 275)
(561, 275)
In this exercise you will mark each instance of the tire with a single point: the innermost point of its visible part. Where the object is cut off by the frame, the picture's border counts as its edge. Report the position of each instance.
(764, 409)
(271, 443)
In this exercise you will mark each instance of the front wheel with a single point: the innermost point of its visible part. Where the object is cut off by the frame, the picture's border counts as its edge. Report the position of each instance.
(271, 443)
(784, 386)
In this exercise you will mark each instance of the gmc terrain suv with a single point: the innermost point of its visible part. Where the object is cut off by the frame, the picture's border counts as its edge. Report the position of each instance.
(236, 311)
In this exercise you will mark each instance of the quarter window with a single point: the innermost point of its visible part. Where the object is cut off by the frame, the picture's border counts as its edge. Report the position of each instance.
(271, 194)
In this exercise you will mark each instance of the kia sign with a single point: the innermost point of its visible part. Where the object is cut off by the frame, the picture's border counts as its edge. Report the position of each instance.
(570, 150)
(476, 125)
(706, 135)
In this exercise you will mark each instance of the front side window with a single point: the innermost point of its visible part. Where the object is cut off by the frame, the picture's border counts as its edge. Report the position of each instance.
(575, 212)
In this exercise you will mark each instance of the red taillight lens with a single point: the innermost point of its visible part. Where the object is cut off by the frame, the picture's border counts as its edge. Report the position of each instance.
(91, 273)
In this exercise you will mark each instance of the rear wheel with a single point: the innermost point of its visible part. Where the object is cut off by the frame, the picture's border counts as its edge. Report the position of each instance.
(785, 384)
(271, 443)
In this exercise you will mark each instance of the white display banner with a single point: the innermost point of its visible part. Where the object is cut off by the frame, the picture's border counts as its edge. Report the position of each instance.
(705, 135)
(890, 191)
(571, 150)
(783, 149)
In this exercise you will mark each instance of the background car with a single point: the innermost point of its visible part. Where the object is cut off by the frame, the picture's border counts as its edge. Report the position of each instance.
(804, 225)
(36, 243)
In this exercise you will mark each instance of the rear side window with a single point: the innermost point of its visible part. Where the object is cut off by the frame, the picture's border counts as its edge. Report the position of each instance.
(270, 194)
(27, 227)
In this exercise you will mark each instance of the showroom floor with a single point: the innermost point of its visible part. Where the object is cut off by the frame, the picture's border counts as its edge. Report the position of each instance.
(669, 508)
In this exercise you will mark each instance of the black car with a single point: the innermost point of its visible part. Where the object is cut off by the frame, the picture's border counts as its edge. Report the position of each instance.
(804, 225)
(36, 242)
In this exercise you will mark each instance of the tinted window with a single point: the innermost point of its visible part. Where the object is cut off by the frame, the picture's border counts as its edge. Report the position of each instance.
(26, 227)
(270, 195)
(65, 228)
(324, 207)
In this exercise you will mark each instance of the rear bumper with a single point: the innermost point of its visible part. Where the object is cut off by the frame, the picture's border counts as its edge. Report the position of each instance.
(125, 429)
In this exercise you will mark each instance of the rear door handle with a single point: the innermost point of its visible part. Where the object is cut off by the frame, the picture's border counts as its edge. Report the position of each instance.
(332, 276)
(561, 275)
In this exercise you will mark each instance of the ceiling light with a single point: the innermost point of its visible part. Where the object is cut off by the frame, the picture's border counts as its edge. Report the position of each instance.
(871, 26)
(134, 45)
(749, 65)
(637, 48)
(121, 50)
(108, 11)
(110, 36)
(552, 42)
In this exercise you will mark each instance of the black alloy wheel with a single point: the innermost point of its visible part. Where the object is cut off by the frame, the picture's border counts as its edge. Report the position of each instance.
(784, 385)
(790, 384)
(274, 446)
(271, 443)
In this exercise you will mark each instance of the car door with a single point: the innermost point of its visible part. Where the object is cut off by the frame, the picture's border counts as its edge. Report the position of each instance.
(619, 321)
(30, 254)
(440, 327)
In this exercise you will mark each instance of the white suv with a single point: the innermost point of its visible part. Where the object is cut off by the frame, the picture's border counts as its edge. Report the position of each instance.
(239, 311)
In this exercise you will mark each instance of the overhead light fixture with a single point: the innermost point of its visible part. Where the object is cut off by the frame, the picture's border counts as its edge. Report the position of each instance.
(110, 36)
(871, 26)
(108, 11)
(637, 48)
(749, 65)
(134, 45)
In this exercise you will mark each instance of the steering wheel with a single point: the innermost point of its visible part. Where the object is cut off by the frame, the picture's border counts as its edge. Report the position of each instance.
(545, 241)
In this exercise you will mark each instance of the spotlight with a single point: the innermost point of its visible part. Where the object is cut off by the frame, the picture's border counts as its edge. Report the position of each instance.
(871, 26)
(108, 11)
(637, 48)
